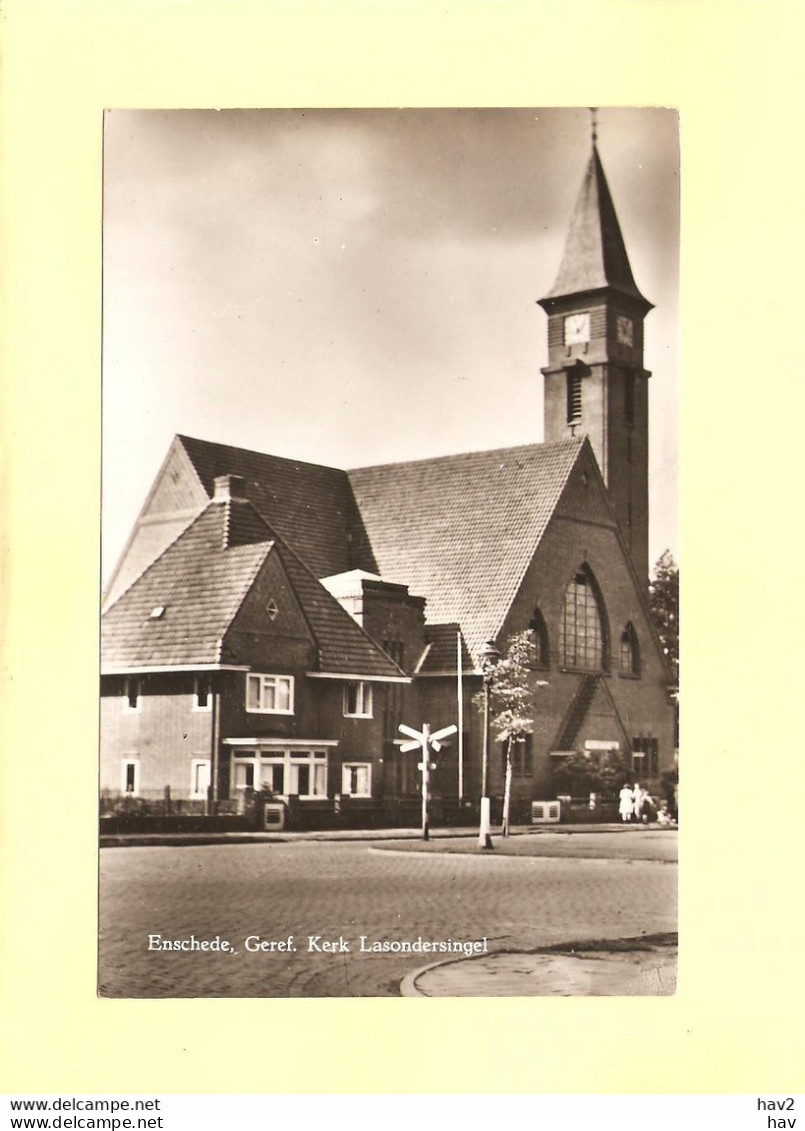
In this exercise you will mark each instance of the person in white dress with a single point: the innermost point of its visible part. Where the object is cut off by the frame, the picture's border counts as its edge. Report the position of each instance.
(626, 804)
(638, 797)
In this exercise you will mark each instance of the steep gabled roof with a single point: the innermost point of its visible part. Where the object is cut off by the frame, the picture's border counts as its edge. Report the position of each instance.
(199, 583)
(344, 647)
(202, 580)
(310, 507)
(441, 651)
(595, 255)
(462, 530)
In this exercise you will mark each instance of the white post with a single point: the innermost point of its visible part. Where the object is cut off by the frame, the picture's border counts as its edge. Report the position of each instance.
(484, 837)
(460, 719)
(423, 740)
(425, 768)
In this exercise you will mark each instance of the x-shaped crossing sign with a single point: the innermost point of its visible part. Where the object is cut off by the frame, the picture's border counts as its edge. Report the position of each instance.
(423, 738)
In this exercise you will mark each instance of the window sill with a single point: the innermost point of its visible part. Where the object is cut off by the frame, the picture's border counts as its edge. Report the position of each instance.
(266, 711)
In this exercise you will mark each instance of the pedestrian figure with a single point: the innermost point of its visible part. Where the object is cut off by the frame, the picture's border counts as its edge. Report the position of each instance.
(663, 816)
(638, 797)
(626, 804)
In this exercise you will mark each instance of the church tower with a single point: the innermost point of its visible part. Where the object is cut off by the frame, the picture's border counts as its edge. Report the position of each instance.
(595, 383)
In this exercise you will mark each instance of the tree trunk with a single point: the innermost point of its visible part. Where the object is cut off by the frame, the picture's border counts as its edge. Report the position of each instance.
(507, 789)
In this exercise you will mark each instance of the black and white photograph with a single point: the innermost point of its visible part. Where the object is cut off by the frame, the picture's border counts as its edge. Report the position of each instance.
(389, 636)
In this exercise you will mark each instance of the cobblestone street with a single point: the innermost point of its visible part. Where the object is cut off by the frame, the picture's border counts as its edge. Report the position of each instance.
(523, 900)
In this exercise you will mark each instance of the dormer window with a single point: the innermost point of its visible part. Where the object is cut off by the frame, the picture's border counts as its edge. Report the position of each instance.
(157, 613)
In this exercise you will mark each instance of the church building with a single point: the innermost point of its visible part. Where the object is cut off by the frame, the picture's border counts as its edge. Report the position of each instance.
(271, 622)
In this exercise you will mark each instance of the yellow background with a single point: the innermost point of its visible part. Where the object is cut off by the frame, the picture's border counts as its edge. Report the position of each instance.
(732, 69)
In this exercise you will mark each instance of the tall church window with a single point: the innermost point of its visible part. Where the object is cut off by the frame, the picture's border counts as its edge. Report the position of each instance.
(582, 632)
(573, 398)
(629, 656)
(540, 630)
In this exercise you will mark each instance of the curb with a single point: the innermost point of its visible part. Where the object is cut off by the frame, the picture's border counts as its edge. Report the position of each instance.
(356, 836)
(481, 854)
(408, 984)
(408, 987)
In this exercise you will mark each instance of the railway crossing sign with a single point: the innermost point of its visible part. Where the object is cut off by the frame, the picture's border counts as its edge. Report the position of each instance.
(423, 738)
(425, 741)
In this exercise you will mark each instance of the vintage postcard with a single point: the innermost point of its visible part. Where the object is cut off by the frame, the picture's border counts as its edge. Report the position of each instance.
(390, 630)
(375, 314)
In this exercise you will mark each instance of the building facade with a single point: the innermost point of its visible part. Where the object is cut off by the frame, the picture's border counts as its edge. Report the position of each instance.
(272, 622)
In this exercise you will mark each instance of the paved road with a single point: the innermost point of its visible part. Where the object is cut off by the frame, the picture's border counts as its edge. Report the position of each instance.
(346, 890)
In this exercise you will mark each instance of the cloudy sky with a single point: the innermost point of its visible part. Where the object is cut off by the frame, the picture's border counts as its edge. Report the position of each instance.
(353, 287)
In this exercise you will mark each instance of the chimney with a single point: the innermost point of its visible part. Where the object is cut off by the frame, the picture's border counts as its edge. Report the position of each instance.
(229, 488)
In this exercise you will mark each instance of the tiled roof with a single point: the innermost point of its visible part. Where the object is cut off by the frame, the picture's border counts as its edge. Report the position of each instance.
(343, 645)
(595, 254)
(201, 581)
(200, 584)
(309, 506)
(440, 655)
(462, 530)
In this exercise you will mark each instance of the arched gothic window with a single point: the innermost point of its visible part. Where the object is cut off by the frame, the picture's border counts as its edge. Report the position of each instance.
(629, 659)
(582, 628)
(540, 630)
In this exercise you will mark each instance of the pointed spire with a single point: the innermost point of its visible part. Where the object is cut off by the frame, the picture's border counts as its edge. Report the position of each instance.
(595, 256)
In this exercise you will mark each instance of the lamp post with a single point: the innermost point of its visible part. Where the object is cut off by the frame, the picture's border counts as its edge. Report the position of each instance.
(488, 658)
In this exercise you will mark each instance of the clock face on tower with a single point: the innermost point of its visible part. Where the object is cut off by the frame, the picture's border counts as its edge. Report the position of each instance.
(577, 329)
(625, 330)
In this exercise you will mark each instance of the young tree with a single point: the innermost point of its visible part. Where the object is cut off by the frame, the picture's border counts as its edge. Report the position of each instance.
(512, 688)
(664, 602)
